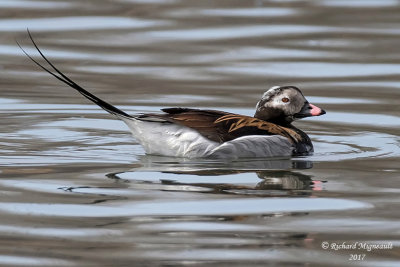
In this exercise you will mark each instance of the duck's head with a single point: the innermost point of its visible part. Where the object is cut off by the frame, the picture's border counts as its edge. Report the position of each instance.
(284, 104)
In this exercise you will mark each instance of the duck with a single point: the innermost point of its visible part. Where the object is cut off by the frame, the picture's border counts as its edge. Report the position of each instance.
(213, 134)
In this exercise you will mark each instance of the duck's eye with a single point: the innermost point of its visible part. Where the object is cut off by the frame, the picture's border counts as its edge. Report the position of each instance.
(285, 100)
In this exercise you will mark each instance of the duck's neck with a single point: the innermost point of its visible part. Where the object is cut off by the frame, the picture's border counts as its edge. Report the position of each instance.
(281, 122)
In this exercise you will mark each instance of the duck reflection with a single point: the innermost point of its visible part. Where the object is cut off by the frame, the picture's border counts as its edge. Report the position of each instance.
(159, 163)
(258, 177)
(285, 180)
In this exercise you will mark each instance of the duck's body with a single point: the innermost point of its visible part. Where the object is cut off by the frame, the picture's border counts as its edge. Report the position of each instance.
(195, 133)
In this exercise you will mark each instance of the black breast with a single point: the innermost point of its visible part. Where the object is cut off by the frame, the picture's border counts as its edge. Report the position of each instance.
(303, 147)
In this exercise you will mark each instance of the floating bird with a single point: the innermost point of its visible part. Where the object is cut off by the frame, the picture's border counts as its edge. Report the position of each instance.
(200, 133)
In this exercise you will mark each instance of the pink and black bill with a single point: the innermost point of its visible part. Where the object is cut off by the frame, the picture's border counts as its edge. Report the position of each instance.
(309, 110)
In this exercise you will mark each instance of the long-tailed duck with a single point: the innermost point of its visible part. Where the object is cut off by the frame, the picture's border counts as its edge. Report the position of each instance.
(197, 133)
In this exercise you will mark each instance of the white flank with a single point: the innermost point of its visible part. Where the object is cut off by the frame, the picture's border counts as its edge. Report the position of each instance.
(167, 139)
(254, 146)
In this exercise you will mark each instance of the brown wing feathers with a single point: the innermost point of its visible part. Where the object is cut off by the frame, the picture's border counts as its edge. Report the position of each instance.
(238, 122)
(222, 126)
(203, 121)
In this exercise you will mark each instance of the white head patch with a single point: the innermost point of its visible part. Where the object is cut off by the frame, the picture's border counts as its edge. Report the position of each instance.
(271, 91)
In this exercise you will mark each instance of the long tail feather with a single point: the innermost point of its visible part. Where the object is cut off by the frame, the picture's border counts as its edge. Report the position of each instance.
(62, 77)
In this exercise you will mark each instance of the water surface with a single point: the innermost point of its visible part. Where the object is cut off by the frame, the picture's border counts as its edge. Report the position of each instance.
(77, 190)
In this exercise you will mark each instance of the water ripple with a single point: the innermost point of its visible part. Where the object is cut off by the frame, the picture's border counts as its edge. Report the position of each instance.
(31, 261)
(235, 12)
(359, 3)
(223, 33)
(76, 23)
(224, 207)
(309, 69)
(31, 4)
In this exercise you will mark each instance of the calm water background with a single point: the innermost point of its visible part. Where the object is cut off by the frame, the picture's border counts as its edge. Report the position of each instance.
(77, 190)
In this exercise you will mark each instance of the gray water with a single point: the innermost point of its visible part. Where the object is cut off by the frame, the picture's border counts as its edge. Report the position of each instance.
(77, 190)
